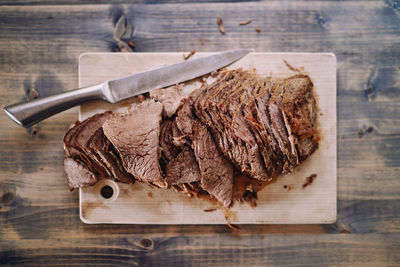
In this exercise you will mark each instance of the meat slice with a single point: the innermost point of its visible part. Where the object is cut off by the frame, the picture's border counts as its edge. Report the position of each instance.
(178, 139)
(185, 116)
(253, 164)
(203, 108)
(257, 117)
(244, 150)
(222, 111)
(169, 150)
(216, 171)
(281, 134)
(76, 142)
(183, 168)
(219, 120)
(135, 135)
(77, 174)
(103, 150)
(170, 97)
(296, 101)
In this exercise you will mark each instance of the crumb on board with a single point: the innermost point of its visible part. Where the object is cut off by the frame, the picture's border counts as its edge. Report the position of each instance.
(234, 227)
(242, 23)
(220, 25)
(123, 47)
(209, 210)
(309, 180)
(131, 44)
(258, 30)
(190, 54)
(299, 70)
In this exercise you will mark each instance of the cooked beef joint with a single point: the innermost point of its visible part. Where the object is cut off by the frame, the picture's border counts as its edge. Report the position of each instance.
(240, 125)
(135, 135)
(266, 127)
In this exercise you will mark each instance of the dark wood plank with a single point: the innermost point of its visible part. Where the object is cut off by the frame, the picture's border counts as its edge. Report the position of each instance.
(97, 2)
(274, 250)
(39, 48)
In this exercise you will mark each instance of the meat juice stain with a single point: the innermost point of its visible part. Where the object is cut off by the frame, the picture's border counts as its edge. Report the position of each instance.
(210, 210)
(230, 215)
(309, 180)
(245, 189)
(150, 194)
(88, 207)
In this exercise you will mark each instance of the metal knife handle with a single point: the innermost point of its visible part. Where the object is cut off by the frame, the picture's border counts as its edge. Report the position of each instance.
(31, 112)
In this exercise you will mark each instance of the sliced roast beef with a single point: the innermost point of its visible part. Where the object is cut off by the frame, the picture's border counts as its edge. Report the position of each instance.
(245, 153)
(77, 174)
(170, 97)
(263, 126)
(257, 117)
(253, 163)
(295, 98)
(76, 139)
(183, 168)
(203, 108)
(103, 150)
(135, 135)
(222, 112)
(185, 115)
(216, 171)
(169, 150)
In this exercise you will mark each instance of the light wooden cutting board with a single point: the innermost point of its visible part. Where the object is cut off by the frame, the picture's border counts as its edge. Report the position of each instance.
(283, 202)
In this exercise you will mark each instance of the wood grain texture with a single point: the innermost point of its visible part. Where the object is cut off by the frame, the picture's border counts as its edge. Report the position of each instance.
(39, 48)
(336, 250)
(96, 2)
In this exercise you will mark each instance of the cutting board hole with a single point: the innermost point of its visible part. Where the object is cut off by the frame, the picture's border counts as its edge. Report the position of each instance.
(107, 192)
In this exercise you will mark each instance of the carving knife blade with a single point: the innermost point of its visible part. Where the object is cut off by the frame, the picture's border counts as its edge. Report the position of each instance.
(29, 113)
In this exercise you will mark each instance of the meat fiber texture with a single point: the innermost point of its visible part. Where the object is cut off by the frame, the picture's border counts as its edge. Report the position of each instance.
(261, 127)
(135, 135)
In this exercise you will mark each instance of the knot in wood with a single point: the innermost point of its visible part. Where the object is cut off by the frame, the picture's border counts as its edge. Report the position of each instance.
(145, 242)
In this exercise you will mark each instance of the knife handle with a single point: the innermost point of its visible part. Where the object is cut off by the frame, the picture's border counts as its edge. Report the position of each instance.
(31, 112)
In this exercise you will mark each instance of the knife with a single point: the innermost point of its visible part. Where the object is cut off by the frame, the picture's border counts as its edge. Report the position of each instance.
(29, 113)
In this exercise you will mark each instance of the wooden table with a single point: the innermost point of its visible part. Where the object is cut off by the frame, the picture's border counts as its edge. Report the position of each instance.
(40, 42)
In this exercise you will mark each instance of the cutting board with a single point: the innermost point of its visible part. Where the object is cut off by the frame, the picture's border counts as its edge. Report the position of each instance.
(285, 201)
